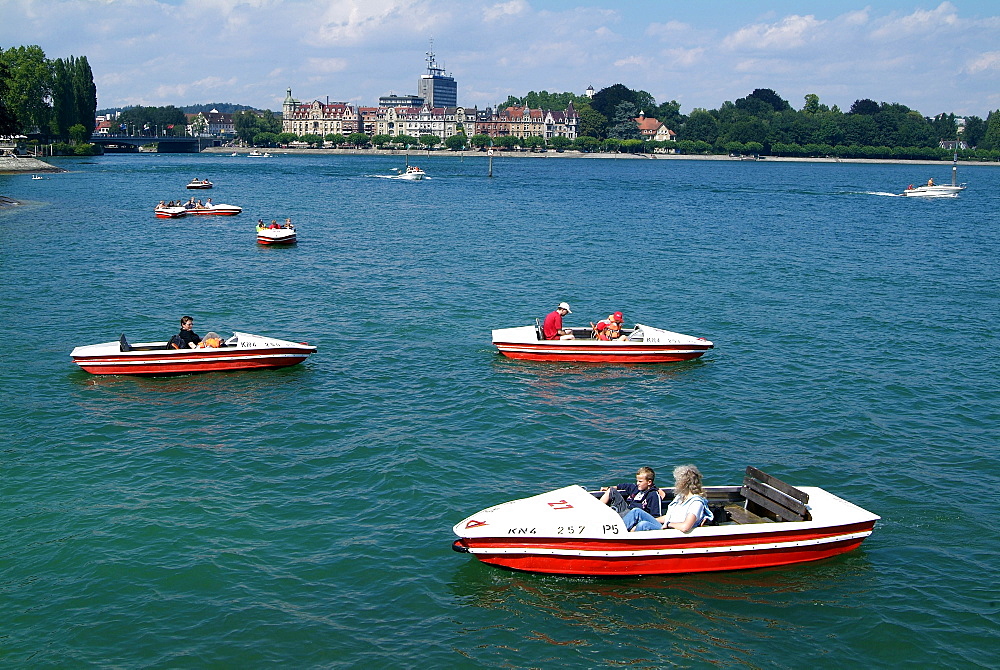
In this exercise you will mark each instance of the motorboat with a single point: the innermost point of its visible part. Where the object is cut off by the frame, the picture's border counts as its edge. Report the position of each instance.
(36, 177)
(164, 212)
(763, 523)
(935, 191)
(216, 210)
(257, 154)
(411, 173)
(932, 190)
(283, 235)
(643, 344)
(199, 183)
(242, 351)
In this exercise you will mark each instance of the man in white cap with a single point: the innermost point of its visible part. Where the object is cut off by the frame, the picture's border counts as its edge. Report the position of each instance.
(552, 329)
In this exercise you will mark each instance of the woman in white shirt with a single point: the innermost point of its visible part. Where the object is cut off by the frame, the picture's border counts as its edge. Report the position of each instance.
(688, 510)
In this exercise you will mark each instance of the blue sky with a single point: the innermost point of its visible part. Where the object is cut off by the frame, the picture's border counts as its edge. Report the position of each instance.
(931, 56)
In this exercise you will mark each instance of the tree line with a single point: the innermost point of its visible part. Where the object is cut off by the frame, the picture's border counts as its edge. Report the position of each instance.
(51, 99)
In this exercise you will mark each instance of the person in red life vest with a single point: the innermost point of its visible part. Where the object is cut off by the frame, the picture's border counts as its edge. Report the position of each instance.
(612, 327)
(601, 331)
(552, 328)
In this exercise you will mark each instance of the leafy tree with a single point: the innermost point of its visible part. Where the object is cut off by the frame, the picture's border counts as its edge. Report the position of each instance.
(592, 122)
(623, 125)
(149, 120)
(357, 139)
(991, 138)
(8, 121)
(335, 139)
(972, 132)
(480, 140)
(29, 87)
(560, 142)
(669, 114)
(78, 133)
(430, 141)
(544, 100)
(265, 139)
(506, 142)
(768, 97)
(812, 104)
(866, 106)
(286, 138)
(381, 140)
(586, 143)
(456, 142)
(312, 139)
(700, 126)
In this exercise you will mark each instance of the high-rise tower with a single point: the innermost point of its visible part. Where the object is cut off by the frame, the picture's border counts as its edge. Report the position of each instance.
(435, 87)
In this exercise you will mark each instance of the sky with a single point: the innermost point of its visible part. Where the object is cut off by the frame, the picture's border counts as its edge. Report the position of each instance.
(930, 56)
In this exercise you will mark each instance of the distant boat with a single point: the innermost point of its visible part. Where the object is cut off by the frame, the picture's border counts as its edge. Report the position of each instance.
(412, 173)
(283, 235)
(37, 176)
(932, 190)
(257, 154)
(199, 183)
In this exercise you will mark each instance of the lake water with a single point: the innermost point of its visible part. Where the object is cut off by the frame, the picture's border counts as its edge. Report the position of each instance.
(302, 517)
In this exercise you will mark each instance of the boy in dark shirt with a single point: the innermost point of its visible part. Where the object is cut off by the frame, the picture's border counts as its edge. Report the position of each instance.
(642, 495)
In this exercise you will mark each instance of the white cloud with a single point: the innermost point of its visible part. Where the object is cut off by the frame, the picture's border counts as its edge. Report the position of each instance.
(667, 31)
(640, 61)
(504, 10)
(984, 62)
(793, 31)
(920, 22)
(326, 65)
(684, 57)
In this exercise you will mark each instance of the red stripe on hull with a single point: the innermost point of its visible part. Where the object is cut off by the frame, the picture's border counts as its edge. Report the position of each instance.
(605, 356)
(584, 561)
(268, 240)
(663, 565)
(166, 365)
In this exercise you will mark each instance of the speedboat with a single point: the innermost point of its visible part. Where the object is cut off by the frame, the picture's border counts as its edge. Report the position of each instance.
(761, 524)
(257, 154)
(242, 351)
(936, 191)
(411, 173)
(217, 210)
(36, 176)
(164, 212)
(199, 183)
(643, 344)
(276, 235)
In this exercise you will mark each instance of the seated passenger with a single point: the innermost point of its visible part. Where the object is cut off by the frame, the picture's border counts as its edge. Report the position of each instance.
(186, 338)
(211, 340)
(601, 329)
(643, 495)
(688, 510)
(552, 328)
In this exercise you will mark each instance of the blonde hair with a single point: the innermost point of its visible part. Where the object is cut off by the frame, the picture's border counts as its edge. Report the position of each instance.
(647, 472)
(687, 481)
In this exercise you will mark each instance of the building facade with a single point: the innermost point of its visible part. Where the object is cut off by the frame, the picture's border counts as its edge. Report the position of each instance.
(435, 87)
(318, 118)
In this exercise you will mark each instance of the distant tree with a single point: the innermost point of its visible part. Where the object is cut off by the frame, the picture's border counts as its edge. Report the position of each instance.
(480, 140)
(669, 114)
(379, 141)
(812, 104)
(592, 122)
(265, 139)
(8, 121)
(407, 140)
(623, 125)
(79, 133)
(560, 142)
(991, 138)
(866, 106)
(285, 138)
(313, 139)
(456, 142)
(29, 86)
(358, 139)
(506, 141)
(972, 132)
(335, 139)
(430, 141)
(544, 100)
(700, 126)
(769, 98)
(586, 143)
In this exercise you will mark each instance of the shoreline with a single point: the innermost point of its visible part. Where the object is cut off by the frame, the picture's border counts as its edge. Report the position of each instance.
(10, 165)
(577, 154)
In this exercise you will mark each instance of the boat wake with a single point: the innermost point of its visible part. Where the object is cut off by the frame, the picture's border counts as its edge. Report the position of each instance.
(888, 195)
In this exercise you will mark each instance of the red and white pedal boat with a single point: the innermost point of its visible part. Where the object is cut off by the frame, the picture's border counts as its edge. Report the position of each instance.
(645, 344)
(276, 236)
(218, 210)
(242, 351)
(169, 212)
(570, 532)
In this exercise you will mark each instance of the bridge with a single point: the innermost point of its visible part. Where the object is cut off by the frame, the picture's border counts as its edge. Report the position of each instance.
(166, 144)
